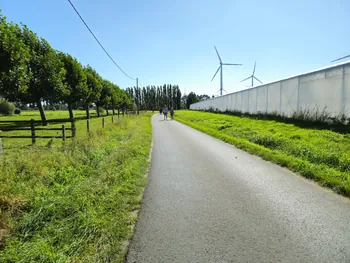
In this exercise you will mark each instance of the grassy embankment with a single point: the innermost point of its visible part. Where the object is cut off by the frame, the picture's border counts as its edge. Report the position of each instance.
(75, 202)
(321, 155)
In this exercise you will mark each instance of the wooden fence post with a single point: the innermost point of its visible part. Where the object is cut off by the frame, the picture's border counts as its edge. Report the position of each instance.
(63, 133)
(0, 145)
(32, 128)
(88, 125)
(103, 122)
(73, 128)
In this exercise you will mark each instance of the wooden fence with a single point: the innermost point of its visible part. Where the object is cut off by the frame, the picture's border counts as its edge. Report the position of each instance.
(31, 125)
(25, 125)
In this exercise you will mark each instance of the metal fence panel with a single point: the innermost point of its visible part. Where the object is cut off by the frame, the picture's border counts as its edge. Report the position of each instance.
(289, 96)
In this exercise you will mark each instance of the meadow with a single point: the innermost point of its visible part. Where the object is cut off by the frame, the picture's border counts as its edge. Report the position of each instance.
(75, 201)
(321, 155)
(9, 143)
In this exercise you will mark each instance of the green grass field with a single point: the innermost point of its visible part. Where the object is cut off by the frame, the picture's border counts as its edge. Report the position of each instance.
(321, 155)
(75, 201)
(9, 143)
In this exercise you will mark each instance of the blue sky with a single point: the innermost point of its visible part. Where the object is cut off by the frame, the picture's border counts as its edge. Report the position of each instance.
(171, 41)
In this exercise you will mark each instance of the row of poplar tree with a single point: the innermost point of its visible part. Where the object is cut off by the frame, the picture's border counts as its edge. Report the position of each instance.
(32, 72)
(156, 97)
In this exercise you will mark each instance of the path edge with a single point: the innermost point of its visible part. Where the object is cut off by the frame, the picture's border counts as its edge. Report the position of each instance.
(126, 244)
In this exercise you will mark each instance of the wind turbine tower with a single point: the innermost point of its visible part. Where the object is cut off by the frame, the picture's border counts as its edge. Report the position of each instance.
(220, 68)
(252, 77)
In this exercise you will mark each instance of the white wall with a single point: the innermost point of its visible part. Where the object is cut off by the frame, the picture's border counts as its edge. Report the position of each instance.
(327, 88)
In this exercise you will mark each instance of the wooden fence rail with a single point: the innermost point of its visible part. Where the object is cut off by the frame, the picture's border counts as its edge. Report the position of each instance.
(37, 121)
(33, 129)
(37, 129)
(30, 125)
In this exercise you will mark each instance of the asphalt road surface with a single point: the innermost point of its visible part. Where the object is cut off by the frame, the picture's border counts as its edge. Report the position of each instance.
(207, 201)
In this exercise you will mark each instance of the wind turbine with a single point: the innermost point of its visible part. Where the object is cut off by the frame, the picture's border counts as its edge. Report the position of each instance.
(341, 58)
(220, 68)
(252, 77)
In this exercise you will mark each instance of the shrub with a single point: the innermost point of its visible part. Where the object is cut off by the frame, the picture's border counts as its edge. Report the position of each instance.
(312, 115)
(341, 119)
(6, 107)
(24, 107)
(21, 106)
(17, 111)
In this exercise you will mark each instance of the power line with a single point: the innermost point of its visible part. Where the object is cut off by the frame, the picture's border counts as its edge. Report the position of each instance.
(99, 41)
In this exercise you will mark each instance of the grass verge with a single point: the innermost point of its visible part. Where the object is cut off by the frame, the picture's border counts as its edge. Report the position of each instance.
(74, 202)
(321, 155)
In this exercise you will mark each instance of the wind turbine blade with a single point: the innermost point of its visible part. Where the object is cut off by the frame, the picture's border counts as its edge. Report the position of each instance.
(341, 58)
(254, 68)
(216, 72)
(246, 79)
(257, 79)
(218, 54)
(229, 64)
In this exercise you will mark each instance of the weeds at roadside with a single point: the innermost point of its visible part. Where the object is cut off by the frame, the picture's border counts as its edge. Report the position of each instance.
(303, 118)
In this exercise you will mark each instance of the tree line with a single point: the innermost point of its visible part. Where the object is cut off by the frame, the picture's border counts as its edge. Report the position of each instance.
(156, 97)
(193, 98)
(32, 72)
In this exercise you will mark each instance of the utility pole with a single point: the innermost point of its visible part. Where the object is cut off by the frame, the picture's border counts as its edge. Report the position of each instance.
(138, 100)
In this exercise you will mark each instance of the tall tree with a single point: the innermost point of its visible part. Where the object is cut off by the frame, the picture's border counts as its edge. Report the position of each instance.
(184, 102)
(126, 101)
(45, 69)
(164, 97)
(75, 82)
(116, 98)
(152, 97)
(178, 98)
(93, 81)
(105, 99)
(203, 97)
(191, 98)
(14, 57)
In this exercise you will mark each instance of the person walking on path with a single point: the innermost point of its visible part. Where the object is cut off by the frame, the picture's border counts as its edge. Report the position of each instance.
(160, 111)
(165, 113)
(172, 113)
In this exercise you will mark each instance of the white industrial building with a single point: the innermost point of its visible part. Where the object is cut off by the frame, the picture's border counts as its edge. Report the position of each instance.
(323, 89)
